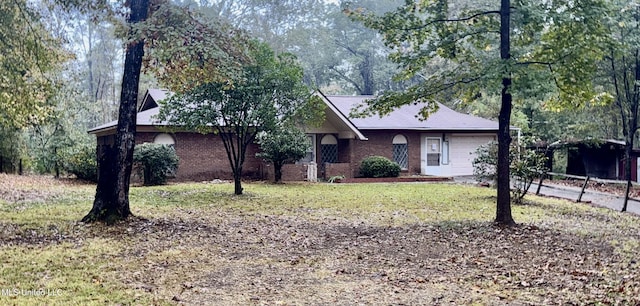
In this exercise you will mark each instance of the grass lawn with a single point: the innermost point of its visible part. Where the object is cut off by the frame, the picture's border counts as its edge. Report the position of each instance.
(301, 244)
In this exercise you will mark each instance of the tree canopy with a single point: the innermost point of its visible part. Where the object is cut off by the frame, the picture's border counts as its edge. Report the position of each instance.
(267, 90)
(464, 50)
(30, 54)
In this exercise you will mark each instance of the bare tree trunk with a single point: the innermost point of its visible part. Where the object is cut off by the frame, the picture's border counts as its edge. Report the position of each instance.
(503, 205)
(277, 169)
(366, 72)
(111, 202)
(237, 182)
(627, 170)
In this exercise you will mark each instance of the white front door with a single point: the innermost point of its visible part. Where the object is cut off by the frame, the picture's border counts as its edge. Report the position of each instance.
(433, 151)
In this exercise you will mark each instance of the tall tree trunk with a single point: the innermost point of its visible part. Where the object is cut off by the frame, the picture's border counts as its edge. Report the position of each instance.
(627, 170)
(633, 121)
(503, 205)
(111, 202)
(366, 72)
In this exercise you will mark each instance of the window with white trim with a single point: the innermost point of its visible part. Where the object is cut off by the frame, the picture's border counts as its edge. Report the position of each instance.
(311, 150)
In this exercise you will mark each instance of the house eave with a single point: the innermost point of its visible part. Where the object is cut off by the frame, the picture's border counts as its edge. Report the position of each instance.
(439, 129)
(342, 116)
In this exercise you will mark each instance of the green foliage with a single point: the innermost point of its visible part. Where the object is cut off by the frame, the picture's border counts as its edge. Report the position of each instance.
(455, 50)
(525, 165)
(82, 162)
(11, 149)
(187, 50)
(282, 145)
(339, 56)
(30, 53)
(379, 166)
(155, 162)
(268, 91)
(485, 162)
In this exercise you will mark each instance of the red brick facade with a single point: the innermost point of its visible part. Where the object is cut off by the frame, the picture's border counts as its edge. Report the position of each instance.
(290, 172)
(381, 143)
(203, 157)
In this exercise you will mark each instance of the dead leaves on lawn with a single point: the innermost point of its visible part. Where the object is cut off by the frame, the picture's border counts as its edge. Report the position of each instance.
(234, 257)
(230, 256)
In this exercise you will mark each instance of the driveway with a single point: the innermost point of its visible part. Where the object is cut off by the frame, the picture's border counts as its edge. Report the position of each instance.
(596, 198)
(608, 200)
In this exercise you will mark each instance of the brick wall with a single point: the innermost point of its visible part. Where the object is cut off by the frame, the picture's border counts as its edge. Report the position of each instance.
(337, 169)
(290, 172)
(203, 157)
(381, 143)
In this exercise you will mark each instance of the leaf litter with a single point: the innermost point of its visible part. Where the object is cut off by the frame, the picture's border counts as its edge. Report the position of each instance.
(229, 256)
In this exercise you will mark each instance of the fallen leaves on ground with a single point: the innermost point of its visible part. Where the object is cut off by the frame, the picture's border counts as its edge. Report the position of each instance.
(230, 256)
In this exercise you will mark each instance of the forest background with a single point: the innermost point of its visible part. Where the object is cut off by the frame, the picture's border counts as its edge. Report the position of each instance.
(78, 56)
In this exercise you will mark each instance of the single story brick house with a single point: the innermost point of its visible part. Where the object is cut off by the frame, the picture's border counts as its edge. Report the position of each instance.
(442, 145)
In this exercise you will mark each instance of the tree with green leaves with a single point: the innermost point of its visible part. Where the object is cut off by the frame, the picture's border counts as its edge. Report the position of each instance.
(621, 74)
(284, 144)
(268, 90)
(177, 41)
(31, 54)
(462, 50)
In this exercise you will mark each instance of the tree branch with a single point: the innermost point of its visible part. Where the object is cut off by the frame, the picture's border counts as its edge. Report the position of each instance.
(450, 20)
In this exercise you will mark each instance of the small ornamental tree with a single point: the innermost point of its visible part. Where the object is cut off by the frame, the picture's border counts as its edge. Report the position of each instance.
(524, 165)
(155, 162)
(284, 144)
(267, 91)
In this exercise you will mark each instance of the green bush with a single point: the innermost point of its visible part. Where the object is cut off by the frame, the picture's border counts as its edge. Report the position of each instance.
(379, 166)
(82, 162)
(155, 162)
(525, 165)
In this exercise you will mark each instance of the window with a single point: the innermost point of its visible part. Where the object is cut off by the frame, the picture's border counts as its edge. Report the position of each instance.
(311, 151)
(400, 151)
(445, 152)
(165, 139)
(434, 150)
(328, 149)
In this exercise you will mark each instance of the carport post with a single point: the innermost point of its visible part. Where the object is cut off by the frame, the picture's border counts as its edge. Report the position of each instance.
(540, 183)
(583, 187)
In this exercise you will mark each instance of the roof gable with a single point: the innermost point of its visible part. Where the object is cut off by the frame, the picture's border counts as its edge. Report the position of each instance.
(151, 98)
(338, 111)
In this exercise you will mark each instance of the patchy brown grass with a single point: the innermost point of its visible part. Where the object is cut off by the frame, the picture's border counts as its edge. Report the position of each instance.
(292, 244)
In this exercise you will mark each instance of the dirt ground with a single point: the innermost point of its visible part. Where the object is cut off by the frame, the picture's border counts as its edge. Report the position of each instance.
(234, 257)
